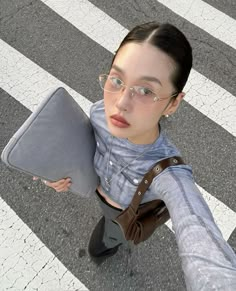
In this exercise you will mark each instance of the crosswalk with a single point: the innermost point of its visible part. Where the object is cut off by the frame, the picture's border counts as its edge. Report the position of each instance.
(49, 43)
(198, 12)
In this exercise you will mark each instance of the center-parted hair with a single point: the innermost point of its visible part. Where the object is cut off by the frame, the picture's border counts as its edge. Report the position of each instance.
(171, 41)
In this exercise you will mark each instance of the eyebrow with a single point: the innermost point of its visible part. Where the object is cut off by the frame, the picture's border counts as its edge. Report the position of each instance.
(147, 78)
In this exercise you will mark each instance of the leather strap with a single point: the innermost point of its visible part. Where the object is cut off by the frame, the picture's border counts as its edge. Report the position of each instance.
(149, 176)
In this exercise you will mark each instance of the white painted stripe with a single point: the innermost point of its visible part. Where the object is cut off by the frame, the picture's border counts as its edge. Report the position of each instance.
(206, 17)
(26, 263)
(206, 96)
(28, 83)
(90, 20)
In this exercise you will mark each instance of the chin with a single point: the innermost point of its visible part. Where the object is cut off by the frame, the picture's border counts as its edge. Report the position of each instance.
(118, 132)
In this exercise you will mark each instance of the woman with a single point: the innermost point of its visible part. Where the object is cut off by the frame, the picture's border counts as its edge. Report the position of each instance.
(145, 82)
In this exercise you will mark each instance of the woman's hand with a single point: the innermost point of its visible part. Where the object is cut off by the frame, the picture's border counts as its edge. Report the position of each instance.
(60, 186)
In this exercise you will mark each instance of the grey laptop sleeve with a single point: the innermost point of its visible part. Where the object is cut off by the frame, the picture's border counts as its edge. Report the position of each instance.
(55, 142)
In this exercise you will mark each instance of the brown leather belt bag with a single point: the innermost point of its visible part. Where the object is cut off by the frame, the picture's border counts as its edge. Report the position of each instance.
(139, 221)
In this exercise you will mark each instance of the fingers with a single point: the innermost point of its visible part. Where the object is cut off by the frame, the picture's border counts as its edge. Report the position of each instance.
(59, 186)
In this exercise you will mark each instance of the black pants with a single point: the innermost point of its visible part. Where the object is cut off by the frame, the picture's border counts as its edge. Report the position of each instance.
(112, 233)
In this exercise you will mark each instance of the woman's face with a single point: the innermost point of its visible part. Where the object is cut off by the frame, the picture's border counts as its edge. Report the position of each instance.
(146, 66)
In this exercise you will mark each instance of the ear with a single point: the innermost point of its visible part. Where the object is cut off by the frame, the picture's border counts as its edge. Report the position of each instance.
(174, 104)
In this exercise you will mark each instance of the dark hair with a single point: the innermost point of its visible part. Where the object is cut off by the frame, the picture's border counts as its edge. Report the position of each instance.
(170, 40)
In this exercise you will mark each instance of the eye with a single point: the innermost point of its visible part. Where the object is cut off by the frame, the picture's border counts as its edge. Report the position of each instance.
(116, 82)
(145, 91)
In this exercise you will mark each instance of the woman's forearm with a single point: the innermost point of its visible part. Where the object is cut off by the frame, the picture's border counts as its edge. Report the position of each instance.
(208, 262)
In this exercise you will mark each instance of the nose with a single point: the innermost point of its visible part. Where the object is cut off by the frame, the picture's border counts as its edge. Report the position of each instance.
(131, 91)
(124, 99)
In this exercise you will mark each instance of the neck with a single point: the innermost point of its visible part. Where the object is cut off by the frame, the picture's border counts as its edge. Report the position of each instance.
(147, 138)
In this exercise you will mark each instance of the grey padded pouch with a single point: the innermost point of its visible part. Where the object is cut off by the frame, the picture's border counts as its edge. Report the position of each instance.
(55, 142)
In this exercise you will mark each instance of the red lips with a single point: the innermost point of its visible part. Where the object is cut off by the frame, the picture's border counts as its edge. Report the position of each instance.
(119, 121)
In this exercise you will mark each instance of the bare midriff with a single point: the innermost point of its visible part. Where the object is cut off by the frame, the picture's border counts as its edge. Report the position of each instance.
(108, 200)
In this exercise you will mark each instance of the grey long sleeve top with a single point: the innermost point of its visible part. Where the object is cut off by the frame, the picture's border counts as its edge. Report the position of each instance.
(208, 262)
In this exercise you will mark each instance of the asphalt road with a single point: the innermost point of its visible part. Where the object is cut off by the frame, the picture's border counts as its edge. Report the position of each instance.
(63, 221)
